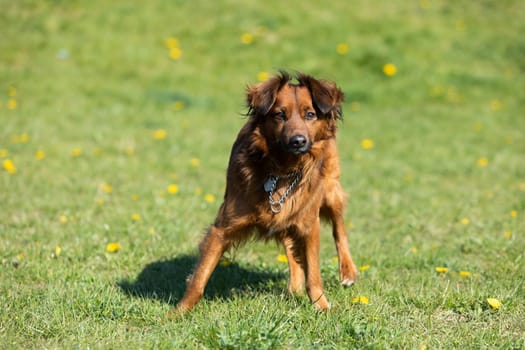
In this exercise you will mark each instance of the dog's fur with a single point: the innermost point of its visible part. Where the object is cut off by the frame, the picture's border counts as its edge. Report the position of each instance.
(291, 128)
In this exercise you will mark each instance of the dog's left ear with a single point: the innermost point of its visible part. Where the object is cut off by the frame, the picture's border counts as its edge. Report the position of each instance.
(326, 96)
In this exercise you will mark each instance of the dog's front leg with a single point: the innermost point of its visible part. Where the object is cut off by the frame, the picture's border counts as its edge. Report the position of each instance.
(314, 284)
(295, 255)
(212, 247)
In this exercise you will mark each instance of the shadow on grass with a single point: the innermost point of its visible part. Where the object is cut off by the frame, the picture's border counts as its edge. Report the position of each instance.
(166, 280)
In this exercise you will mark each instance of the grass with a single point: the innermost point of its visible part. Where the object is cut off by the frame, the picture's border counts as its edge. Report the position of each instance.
(88, 83)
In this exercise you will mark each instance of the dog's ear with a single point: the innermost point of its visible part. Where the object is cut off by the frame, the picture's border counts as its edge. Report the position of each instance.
(261, 97)
(327, 97)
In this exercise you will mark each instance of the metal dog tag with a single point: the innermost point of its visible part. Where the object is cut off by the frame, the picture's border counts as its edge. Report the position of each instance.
(269, 185)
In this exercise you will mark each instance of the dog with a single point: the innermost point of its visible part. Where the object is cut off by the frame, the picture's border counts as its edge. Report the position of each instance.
(282, 178)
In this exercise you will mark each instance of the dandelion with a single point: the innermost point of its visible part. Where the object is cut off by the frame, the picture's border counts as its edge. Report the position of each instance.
(172, 43)
(494, 303)
(21, 256)
(495, 105)
(414, 250)
(113, 247)
(178, 105)
(4, 153)
(100, 201)
(210, 198)
(508, 234)
(342, 48)
(513, 213)
(39, 155)
(173, 189)
(263, 76)
(442, 269)
(464, 273)
(465, 221)
(12, 104)
(225, 262)
(350, 225)
(107, 188)
(159, 134)
(482, 162)
(135, 217)
(282, 258)
(76, 152)
(63, 219)
(367, 144)
(9, 166)
(361, 299)
(364, 268)
(389, 69)
(58, 250)
(175, 53)
(151, 231)
(195, 162)
(247, 38)
(134, 197)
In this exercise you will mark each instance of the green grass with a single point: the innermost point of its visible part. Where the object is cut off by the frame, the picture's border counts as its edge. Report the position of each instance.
(97, 76)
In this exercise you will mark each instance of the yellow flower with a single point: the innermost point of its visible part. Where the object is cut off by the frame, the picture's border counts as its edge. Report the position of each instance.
(464, 273)
(175, 53)
(113, 247)
(172, 43)
(11, 104)
(159, 134)
(364, 267)
(178, 105)
(495, 105)
(4, 153)
(225, 262)
(282, 258)
(494, 303)
(9, 166)
(389, 69)
(134, 197)
(63, 219)
(263, 76)
(58, 250)
(513, 213)
(361, 299)
(342, 48)
(106, 187)
(135, 217)
(247, 38)
(465, 221)
(20, 256)
(442, 269)
(39, 155)
(210, 198)
(172, 189)
(508, 234)
(195, 162)
(151, 231)
(367, 144)
(76, 152)
(483, 162)
(355, 106)
(100, 201)
(414, 250)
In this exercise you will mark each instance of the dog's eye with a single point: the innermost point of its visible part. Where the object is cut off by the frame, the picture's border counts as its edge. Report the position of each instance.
(280, 116)
(310, 116)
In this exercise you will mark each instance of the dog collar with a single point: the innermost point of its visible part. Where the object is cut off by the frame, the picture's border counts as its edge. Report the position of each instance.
(271, 183)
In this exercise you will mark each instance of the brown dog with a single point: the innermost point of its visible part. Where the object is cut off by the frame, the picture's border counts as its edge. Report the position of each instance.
(283, 175)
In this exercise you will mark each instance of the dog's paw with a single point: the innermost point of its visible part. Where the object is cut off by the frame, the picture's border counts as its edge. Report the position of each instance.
(347, 282)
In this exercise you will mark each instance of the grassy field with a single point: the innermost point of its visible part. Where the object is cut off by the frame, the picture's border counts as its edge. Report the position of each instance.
(116, 121)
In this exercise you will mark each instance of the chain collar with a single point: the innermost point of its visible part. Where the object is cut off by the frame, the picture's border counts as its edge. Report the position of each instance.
(271, 183)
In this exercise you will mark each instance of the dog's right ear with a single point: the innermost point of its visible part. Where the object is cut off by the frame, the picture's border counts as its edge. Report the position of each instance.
(261, 97)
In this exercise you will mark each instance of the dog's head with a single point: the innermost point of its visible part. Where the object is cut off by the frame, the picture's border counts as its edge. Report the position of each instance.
(295, 116)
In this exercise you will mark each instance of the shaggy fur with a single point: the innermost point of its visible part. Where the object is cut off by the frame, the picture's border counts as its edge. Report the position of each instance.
(290, 134)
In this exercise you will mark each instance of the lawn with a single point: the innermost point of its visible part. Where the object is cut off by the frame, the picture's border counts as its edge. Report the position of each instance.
(116, 122)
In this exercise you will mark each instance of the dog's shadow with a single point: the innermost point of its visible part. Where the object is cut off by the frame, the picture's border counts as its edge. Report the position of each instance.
(165, 280)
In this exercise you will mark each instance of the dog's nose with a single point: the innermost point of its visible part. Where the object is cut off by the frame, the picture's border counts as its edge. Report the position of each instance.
(297, 143)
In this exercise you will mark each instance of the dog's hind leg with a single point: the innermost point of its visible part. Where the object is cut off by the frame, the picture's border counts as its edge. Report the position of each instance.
(212, 247)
